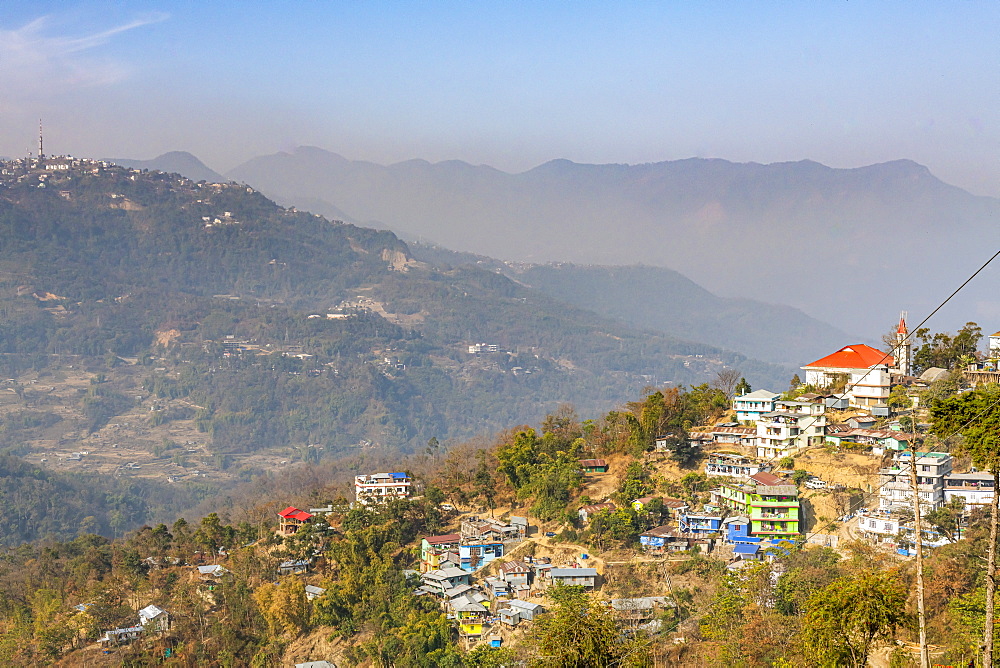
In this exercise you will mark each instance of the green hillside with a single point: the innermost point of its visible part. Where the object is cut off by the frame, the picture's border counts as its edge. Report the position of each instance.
(265, 335)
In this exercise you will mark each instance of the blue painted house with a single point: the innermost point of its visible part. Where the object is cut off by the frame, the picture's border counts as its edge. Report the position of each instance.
(700, 523)
(737, 530)
(663, 539)
(473, 556)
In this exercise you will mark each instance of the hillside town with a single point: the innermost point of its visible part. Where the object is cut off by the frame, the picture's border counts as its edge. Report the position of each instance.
(773, 476)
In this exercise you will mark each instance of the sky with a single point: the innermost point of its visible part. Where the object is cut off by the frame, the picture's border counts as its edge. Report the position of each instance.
(511, 85)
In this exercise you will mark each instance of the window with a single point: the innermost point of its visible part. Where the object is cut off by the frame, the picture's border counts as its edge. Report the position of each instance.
(888, 526)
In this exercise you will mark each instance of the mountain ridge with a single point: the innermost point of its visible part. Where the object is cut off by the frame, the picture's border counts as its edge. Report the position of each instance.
(771, 332)
(740, 229)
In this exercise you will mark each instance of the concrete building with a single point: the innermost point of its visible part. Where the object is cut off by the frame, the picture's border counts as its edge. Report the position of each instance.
(895, 489)
(769, 502)
(976, 488)
(865, 370)
(730, 465)
(792, 425)
(750, 407)
(380, 487)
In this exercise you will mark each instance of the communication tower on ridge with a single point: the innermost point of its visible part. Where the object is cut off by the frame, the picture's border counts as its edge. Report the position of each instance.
(41, 150)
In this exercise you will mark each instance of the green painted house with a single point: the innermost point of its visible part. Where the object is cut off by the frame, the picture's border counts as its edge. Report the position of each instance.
(594, 466)
(771, 503)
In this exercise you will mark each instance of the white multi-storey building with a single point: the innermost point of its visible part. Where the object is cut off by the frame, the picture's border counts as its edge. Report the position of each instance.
(896, 490)
(379, 487)
(976, 488)
(750, 407)
(792, 425)
(865, 370)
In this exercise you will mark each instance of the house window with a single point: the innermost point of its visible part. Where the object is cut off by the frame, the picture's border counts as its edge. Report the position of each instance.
(888, 526)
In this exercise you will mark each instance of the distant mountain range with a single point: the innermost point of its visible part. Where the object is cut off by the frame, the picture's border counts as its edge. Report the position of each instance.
(110, 264)
(847, 246)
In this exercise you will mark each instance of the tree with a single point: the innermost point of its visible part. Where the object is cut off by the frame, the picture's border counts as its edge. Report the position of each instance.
(794, 383)
(485, 485)
(728, 380)
(284, 607)
(948, 518)
(976, 415)
(579, 632)
(898, 399)
(743, 387)
(944, 350)
(636, 483)
(807, 571)
(847, 617)
(799, 476)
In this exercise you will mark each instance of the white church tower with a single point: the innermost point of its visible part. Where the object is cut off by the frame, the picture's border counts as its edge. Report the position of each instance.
(903, 351)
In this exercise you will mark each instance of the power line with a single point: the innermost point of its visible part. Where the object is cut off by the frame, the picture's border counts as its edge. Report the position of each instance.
(906, 340)
(871, 494)
(909, 335)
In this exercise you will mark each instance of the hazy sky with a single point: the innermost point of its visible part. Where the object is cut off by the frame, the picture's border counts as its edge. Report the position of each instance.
(510, 84)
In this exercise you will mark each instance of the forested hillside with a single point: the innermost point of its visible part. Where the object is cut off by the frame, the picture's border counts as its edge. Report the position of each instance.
(358, 599)
(665, 301)
(149, 305)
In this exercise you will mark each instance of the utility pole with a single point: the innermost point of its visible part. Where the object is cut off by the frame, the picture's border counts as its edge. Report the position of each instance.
(924, 658)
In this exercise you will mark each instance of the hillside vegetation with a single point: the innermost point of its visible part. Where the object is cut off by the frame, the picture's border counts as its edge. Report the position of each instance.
(201, 326)
(808, 606)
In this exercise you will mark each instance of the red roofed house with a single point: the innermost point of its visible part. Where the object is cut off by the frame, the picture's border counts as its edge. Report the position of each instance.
(290, 519)
(867, 371)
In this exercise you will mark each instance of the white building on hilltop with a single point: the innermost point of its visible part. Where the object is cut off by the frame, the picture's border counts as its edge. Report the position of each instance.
(380, 487)
(865, 370)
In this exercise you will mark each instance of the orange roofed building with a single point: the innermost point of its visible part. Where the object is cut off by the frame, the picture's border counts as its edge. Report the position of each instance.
(866, 369)
(290, 519)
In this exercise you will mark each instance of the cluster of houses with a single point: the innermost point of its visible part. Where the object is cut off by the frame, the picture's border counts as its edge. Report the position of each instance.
(775, 427)
(479, 542)
(499, 599)
(892, 522)
(752, 511)
(479, 604)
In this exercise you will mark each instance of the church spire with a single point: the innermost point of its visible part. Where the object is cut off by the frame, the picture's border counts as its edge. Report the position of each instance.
(903, 351)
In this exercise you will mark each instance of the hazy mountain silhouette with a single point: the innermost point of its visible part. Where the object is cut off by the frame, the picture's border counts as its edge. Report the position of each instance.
(175, 162)
(669, 302)
(850, 246)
